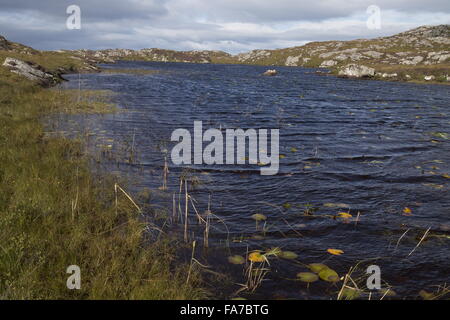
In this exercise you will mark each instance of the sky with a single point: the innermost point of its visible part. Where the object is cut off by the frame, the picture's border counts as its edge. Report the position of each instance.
(229, 25)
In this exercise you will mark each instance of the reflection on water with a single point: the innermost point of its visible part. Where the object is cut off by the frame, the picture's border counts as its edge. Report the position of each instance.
(374, 147)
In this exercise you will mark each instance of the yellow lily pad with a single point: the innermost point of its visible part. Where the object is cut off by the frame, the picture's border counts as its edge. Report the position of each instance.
(256, 257)
(407, 210)
(344, 215)
(335, 252)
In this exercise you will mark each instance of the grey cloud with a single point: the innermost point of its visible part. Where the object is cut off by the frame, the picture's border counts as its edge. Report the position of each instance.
(231, 25)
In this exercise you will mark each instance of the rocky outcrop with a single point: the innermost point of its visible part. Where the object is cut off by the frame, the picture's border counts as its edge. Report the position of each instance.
(270, 72)
(4, 44)
(356, 71)
(15, 47)
(31, 71)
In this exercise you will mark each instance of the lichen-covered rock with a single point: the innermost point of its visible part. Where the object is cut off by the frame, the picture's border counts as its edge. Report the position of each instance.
(412, 61)
(31, 71)
(292, 61)
(328, 63)
(356, 71)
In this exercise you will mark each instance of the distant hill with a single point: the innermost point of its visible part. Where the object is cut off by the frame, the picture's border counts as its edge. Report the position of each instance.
(421, 54)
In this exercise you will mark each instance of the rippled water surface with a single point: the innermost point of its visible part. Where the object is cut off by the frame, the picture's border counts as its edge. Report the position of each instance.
(376, 147)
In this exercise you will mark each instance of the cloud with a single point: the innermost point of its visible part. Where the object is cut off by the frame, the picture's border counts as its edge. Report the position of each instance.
(231, 25)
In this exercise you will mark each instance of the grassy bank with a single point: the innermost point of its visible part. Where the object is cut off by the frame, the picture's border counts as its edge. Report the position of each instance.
(55, 213)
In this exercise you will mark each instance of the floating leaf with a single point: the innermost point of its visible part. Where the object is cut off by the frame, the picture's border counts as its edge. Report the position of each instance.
(256, 257)
(387, 292)
(350, 293)
(426, 295)
(441, 135)
(317, 267)
(344, 215)
(336, 205)
(307, 277)
(434, 185)
(282, 156)
(329, 275)
(257, 237)
(407, 211)
(336, 252)
(287, 205)
(288, 255)
(259, 217)
(294, 150)
(446, 176)
(237, 259)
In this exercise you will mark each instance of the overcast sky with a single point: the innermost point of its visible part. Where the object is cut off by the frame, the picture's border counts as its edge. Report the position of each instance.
(229, 25)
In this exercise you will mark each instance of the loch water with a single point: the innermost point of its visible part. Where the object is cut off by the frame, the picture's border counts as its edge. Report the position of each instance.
(367, 148)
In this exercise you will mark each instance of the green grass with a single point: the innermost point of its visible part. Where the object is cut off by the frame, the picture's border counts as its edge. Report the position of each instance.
(54, 212)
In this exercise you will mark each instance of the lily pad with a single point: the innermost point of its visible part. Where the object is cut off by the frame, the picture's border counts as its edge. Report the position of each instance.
(388, 292)
(307, 277)
(259, 217)
(329, 275)
(256, 257)
(344, 215)
(288, 255)
(336, 252)
(317, 267)
(441, 135)
(350, 293)
(426, 295)
(237, 259)
(287, 205)
(336, 205)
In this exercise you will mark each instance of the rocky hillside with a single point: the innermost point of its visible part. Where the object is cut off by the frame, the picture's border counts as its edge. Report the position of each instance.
(412, 55)
(421, 54)
(6, 45)
(159, 55)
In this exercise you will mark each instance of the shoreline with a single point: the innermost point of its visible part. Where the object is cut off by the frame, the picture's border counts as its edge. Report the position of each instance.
(55, 212)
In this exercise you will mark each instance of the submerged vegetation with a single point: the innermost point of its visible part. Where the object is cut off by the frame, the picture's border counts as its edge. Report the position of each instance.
(54, 212)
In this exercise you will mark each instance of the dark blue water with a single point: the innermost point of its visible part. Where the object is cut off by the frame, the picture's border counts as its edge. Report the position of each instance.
(374, 147)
